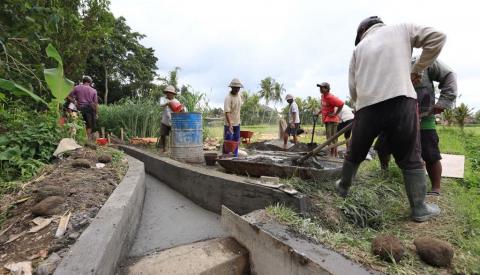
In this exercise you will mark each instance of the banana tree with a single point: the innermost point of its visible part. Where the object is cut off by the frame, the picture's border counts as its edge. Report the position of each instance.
(55, 78)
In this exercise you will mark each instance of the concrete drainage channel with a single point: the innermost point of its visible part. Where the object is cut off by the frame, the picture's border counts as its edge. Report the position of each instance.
(176, 236)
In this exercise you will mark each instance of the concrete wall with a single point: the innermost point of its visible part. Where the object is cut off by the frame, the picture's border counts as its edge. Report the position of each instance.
(107, 240)
(280, 253)
(212, 189)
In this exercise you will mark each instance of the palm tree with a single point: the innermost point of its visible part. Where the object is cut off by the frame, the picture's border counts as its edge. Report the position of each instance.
(461, 113)
(267, 91)
(278, 90)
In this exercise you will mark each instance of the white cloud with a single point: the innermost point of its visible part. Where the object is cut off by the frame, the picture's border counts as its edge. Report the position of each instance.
(299, 43)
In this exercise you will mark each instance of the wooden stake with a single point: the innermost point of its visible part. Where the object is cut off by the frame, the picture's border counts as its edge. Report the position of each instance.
(103, 132)
(121, 134)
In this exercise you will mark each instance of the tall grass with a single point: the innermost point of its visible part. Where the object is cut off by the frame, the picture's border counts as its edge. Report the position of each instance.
(138, 118)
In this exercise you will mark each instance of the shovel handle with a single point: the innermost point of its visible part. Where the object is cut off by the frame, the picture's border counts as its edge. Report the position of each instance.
(321, 146)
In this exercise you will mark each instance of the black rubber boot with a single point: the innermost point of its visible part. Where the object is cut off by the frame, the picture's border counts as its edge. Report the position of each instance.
(416, 187)
(349, 170)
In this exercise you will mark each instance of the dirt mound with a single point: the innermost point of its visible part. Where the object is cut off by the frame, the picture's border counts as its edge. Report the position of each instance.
(267, 146)
(434, 252)
(388, 247)
(59, 189)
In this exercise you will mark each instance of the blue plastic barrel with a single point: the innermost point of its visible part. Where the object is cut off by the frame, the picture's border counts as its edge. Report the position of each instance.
(187, 137)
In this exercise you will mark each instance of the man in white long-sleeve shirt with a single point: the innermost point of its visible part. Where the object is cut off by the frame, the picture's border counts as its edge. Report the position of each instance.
(380, 82)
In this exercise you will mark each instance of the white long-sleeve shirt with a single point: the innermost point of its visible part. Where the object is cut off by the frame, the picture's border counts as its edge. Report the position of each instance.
(381, 63)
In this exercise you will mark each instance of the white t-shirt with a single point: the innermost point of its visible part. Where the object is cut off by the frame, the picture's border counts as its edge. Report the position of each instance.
(346, 114)
(167, 112)
(232, 105)
(293, 109)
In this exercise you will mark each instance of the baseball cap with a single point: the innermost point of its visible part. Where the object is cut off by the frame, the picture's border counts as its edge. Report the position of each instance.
(324, 84)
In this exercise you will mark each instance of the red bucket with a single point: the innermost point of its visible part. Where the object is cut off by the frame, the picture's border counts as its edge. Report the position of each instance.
(230, 146)
(102, 141)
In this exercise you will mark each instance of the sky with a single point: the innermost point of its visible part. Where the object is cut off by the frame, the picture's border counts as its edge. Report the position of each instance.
(298, 43)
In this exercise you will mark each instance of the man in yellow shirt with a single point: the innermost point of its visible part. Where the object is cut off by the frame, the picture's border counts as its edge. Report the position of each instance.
(232, 106)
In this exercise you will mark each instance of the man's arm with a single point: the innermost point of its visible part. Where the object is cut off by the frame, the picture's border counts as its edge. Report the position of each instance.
(227, 109)
(430, 40)
(351, 79)
(447, 80)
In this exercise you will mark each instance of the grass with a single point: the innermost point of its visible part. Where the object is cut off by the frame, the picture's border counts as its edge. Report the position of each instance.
(267, 132)
(377, 204)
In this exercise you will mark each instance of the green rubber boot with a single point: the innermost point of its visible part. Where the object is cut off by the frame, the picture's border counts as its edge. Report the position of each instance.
(349, 170)
(416, 187)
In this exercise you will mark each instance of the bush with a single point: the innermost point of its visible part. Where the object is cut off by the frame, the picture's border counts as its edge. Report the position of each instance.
(27, 140)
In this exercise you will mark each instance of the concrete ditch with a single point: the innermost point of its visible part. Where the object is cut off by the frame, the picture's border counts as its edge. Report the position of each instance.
(212, 189)
(107, 240)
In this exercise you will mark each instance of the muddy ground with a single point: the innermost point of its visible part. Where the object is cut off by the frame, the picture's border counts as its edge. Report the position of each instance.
(77, 190)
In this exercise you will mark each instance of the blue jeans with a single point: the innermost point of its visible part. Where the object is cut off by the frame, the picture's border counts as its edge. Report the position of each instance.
(227, 135)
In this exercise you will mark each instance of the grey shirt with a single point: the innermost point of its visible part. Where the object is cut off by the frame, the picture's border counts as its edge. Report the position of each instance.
(441, 73)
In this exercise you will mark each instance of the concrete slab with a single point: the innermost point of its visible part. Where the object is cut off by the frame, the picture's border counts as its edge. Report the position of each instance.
(453, 166)
(274, 251)
(169, 219)
(107, 240)
(213, 257)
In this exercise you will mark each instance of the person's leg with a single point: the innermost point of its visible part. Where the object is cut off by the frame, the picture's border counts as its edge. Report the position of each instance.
(236, 137)
(365, 129)
(329, 133)
(404, 137)
(227, 135)
(431, 156)
(334, 151)
(87, 117)
(381, 146)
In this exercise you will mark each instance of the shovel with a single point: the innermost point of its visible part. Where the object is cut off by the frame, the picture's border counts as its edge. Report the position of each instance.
(299, 161)
(315, 117)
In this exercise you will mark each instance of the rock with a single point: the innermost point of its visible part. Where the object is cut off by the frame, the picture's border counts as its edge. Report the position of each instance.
(48, 206)
(81, 163)
(242, 153)
(49, 265)
(434, 252)
(387, 247)
(74, 235)
(48, 191)
(105, 158)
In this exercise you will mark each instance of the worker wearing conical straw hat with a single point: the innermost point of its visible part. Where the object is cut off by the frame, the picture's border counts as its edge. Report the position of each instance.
(232, 106)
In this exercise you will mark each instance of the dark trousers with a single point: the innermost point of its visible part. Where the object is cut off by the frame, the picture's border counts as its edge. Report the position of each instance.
(397, 118)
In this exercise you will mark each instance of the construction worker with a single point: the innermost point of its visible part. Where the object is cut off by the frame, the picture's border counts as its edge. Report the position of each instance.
(346, 117)
(232, 106)
(85, 97)
(425, 89)
(172, 105)
(329, 115)
(293, 121)
(380, 82)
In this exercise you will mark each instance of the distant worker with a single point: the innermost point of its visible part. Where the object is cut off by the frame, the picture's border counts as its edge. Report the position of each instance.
(441, 73)
(329, 115)
(380, 81)
(293, 121)
(346, 117)
(232, 106)
(85, 97)
(171, 105)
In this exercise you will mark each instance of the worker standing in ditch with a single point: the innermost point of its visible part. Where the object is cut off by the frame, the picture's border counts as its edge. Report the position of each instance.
(293, 121)
(86, 100)
(425, 89)
(172, 105)
(380, 82)
(329, 115)
(231, 108)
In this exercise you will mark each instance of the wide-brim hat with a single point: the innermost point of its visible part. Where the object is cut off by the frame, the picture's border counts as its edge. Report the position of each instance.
(289, 96)
(235, 83)
(170, 89)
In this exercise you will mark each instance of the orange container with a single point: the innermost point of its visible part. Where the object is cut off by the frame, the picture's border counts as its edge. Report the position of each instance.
(230, 146)
(102, 141)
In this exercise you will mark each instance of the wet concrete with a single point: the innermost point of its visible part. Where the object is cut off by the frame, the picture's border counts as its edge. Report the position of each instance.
(169, 219)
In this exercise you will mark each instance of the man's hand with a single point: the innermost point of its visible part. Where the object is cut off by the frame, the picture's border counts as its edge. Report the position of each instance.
(292, 125)
(416, 78)
(331, 114)
(438, 109)
(230, 128)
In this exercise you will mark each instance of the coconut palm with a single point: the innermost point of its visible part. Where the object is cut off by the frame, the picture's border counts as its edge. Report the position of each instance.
(460, 113)
(267, 91)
